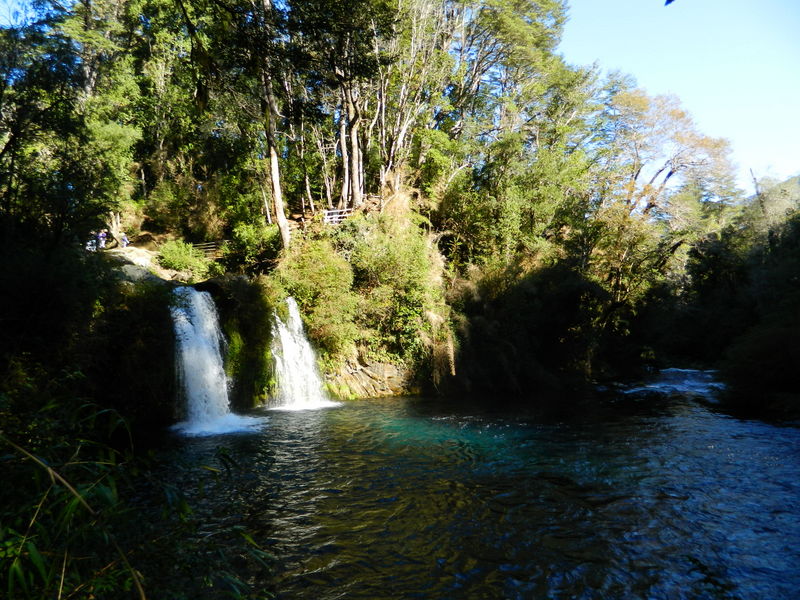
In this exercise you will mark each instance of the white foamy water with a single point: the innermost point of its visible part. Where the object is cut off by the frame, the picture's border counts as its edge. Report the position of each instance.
(681, 381)
(203, 384)
(299, 384)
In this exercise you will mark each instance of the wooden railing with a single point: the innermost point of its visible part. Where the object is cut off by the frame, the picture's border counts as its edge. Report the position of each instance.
(334, 217)
(211, 250)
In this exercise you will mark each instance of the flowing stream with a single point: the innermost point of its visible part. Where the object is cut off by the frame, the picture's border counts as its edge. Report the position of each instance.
(648, 494)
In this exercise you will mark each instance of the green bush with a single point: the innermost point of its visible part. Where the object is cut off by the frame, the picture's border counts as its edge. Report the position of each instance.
(321, 280)
(761, 367)
(245, 309)
(134, 330)
(165, 206)
(253, 246)
(397, 280)
(181, 256)
(63, 446)
(525, 334)
(372, 283)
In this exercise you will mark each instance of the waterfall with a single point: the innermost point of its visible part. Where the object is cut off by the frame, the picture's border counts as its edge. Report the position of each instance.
(201, 376)
(299, 384)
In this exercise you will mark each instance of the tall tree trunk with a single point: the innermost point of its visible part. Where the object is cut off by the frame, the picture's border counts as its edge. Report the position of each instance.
(277, 194)
(354, 118)
(267, 211)
(309, 198)
(345, 158)
(328, 181)
(270, 112)
(355, 167)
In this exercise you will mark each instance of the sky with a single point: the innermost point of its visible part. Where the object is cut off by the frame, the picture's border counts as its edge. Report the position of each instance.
(734, 64)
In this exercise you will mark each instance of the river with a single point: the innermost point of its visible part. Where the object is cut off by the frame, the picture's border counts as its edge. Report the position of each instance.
(648, 493)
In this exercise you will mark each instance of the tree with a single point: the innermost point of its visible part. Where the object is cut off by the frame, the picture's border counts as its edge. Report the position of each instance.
(343, 44)
(411, 87)
(653, 144)
(65, 155)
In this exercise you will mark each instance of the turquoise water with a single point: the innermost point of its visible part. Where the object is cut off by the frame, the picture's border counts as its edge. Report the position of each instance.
(637, 497)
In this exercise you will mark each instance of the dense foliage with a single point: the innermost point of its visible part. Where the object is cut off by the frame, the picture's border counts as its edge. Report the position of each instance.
(73, 348)
(738, 309)
(86, 378)
(180, 256)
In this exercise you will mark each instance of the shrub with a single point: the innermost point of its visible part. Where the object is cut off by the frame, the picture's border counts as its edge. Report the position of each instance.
(397, 281)
(761, 366)
(245, 311)
(374, 283)
(181, 256)
(253, 246)
(63, 446)
(164, 206)
(321, 280)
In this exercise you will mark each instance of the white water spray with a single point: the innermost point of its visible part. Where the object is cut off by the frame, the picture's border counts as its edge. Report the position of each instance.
(299, 382)
(690, 382)
(201, 375)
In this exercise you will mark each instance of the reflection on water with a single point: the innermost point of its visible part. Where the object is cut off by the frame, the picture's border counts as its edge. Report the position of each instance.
(414, 498)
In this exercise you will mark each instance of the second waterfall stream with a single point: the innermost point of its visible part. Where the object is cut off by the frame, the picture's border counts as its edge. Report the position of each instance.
(299, 384)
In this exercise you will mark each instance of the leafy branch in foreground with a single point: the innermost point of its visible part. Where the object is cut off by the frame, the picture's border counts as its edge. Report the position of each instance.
(36, 568)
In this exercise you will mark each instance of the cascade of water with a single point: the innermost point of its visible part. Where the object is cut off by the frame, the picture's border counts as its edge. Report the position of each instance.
(201, 375)
(299, 381)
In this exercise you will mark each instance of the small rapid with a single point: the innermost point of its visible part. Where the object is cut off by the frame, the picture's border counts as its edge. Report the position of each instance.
(691, 382)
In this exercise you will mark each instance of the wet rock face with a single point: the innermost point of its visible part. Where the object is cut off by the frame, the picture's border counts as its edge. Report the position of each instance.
(139, 264)
(371, 380)
(137, 274)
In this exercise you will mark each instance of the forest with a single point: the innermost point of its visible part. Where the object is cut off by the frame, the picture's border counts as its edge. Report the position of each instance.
(519, 227)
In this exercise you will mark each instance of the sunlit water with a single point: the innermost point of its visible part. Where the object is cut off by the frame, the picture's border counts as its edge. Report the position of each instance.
(638, 497)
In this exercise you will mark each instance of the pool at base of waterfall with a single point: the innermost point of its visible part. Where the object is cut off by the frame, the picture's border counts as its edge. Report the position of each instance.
(630, 497)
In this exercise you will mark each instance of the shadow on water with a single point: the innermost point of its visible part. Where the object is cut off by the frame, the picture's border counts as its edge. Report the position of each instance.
(418, 498)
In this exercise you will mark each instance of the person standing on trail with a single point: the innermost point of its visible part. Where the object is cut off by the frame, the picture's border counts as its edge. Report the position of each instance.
(123, 239)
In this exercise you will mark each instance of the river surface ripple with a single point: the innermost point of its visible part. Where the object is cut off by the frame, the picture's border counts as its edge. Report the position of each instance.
(641, 497)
